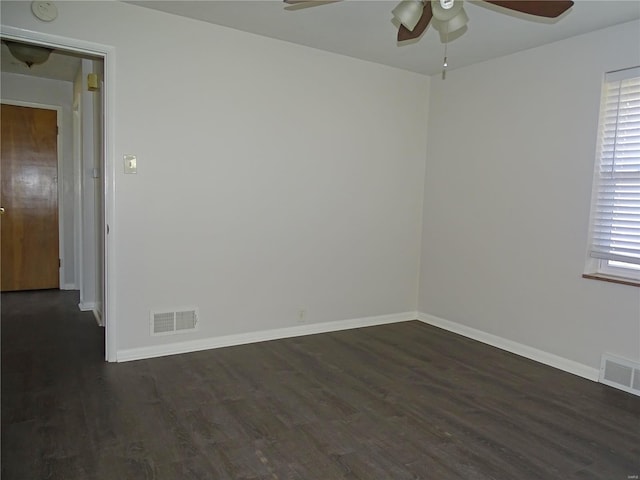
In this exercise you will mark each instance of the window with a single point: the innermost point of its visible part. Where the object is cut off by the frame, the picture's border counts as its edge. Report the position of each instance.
(614, 242)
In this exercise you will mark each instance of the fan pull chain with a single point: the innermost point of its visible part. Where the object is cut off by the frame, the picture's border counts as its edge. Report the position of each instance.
(446, 43)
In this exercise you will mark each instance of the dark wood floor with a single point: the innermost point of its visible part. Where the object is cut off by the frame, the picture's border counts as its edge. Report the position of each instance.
(403, 401)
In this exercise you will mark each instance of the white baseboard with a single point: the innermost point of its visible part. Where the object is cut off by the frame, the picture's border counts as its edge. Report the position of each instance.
(261, 336)
(97, 313)
(68, 286)
(87, 306)
(526, 351)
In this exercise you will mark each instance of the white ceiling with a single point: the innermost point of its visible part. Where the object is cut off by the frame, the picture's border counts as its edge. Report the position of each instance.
(364, 28)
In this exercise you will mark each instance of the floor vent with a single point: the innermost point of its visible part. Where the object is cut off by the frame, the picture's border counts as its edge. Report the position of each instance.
(620, 373)
(170, 323)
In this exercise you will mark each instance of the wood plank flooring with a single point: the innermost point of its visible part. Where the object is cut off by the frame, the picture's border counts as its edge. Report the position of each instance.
(402, 401)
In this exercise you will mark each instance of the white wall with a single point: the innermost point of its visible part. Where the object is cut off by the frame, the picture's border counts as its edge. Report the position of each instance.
(57, 93)
(98, 129)
(511, 150)
(89, 185)
(90, 111)
(271, 177)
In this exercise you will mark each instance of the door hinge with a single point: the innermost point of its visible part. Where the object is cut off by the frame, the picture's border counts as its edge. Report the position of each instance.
(59, 263)
(57, 130)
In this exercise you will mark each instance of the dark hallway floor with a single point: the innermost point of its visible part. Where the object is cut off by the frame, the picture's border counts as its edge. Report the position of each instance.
(394, 402)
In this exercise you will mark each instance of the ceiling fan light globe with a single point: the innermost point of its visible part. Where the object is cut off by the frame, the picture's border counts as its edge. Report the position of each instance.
(456, 23)
(408, 13)
(442, 14)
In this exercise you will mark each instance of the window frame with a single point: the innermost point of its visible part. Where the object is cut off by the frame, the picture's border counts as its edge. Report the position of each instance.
(629, 273)
(598, 266)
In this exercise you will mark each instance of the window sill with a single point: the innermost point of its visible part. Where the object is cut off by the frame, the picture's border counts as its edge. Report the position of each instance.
(612, 279)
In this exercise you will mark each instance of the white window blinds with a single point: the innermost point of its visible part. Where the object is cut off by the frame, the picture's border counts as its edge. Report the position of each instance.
(615, 229)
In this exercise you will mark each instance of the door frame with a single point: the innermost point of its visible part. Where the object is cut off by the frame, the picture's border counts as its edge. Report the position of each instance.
(107, 53)
(59, 154)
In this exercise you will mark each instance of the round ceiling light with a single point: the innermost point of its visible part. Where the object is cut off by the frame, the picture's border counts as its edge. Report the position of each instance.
(29, 54)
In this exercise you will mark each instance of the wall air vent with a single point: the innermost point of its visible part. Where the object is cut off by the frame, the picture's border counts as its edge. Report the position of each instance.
(172, 322)
(620, 373)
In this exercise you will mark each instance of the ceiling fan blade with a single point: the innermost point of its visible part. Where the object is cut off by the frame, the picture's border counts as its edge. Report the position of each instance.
(405, 34)
(540, 8)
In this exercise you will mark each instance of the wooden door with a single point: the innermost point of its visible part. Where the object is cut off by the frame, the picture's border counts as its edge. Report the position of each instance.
(29, 223)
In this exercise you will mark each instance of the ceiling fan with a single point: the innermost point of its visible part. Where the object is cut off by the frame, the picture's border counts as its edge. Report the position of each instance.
(415, 16)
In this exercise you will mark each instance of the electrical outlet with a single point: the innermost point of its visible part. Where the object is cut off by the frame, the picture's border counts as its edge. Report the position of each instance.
(302, 315)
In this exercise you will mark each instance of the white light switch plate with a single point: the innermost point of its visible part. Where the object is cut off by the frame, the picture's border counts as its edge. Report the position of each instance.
(130, 164)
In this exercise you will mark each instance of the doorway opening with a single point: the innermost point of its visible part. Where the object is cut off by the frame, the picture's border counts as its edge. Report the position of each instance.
(74, 82)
